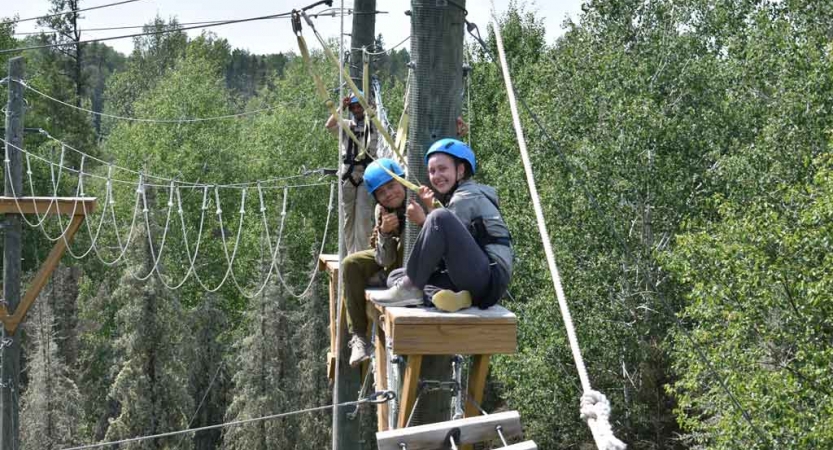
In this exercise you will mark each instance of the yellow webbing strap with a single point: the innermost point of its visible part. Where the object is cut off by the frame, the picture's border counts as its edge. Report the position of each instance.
(322, 92)
(367, 109)
(402, 128)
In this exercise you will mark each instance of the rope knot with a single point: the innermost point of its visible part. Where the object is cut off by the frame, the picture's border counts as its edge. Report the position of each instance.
(595, 409)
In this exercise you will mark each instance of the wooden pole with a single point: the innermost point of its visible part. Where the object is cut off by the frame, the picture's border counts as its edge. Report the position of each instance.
(10, 353)
(435, 102)
(347, 432)
(363, 35)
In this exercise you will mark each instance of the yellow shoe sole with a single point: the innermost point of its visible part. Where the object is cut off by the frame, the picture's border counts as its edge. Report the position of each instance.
(450, 301)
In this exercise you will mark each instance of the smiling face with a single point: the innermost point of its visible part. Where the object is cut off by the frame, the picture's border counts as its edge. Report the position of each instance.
(444, 172)
(391, 195)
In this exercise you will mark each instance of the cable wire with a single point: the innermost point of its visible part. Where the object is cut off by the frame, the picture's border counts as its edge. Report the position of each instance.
(334, 406)
(63, 13)
(150, 33)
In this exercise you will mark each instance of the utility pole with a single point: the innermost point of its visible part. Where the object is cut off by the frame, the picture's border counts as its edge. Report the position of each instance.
(348, 429)
(363, 35)
(10, 345)
(436, 101)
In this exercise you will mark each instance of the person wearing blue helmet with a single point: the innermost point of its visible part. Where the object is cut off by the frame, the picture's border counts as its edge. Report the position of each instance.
(462, 256)
(358, 207)
(370, 267)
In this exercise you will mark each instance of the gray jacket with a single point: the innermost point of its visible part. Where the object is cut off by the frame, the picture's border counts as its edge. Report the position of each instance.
(472, 200)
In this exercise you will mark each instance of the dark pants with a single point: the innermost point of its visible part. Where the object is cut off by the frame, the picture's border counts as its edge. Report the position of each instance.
(444, 239)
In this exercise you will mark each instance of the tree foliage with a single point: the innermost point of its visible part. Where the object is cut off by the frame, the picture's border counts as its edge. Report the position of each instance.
(685, 175)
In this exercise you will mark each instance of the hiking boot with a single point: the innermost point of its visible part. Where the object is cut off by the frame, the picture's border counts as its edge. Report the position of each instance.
(403, 293)
(360, 350)
(450, 301)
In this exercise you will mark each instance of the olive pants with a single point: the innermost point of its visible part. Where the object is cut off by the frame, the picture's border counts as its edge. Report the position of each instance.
(356, 269)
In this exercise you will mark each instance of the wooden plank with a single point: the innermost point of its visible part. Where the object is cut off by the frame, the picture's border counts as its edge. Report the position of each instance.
(451, 339)
(477, 383)
(331, 366)
(432, 436)
(326, 261)
(525, 445)
(409, 388)
(383, 409)
(495, 314)
(11, 322)
(78, 206)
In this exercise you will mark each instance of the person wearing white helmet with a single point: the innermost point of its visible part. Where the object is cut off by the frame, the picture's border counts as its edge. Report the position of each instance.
(385, 254)
(358, 207)
(463, 255)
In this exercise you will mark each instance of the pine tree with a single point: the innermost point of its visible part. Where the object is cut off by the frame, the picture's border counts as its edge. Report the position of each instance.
(208, 372)
(50, 405)
(151, 387)
(262, 384)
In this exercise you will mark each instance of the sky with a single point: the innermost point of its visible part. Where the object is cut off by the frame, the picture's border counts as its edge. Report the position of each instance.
(267, 36)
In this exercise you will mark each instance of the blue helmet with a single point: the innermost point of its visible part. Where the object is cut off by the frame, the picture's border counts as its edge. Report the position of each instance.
(454, 148)
(375, 175)
(355, 98)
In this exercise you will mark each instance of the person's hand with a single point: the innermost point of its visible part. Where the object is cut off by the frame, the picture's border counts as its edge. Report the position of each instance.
(345, 103)
(426, 196)
(390, 223)
(462, 127)
(415, 213)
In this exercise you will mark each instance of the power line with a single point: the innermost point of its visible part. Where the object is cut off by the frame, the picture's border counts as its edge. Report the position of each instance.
(203, 22)
(74, 11)
(150, 33)
(126, 27)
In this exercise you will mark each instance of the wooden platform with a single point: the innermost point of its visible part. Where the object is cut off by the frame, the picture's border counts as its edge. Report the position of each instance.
(417, 332)
(429, 331)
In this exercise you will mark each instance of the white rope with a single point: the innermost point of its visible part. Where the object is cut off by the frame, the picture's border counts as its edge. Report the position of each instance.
(314, 271)
(162, 181)
(156, 254)
(144, 120)
(598, 423)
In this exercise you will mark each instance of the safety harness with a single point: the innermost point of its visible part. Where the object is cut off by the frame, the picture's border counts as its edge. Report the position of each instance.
(354, 156)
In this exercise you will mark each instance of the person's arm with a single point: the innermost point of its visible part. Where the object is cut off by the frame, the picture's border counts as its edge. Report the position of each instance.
(332, 122)
(386, 239)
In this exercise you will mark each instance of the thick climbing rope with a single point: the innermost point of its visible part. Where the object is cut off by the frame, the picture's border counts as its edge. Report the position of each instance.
(595, 408)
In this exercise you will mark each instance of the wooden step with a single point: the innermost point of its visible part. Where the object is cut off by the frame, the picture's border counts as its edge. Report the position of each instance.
(471, 431)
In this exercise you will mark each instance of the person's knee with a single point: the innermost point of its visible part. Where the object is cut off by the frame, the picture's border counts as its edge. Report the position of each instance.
(439, 216)
(350, 265)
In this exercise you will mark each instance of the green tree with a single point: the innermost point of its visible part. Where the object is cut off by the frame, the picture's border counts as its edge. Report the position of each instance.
(151, 387)
(50, 403)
